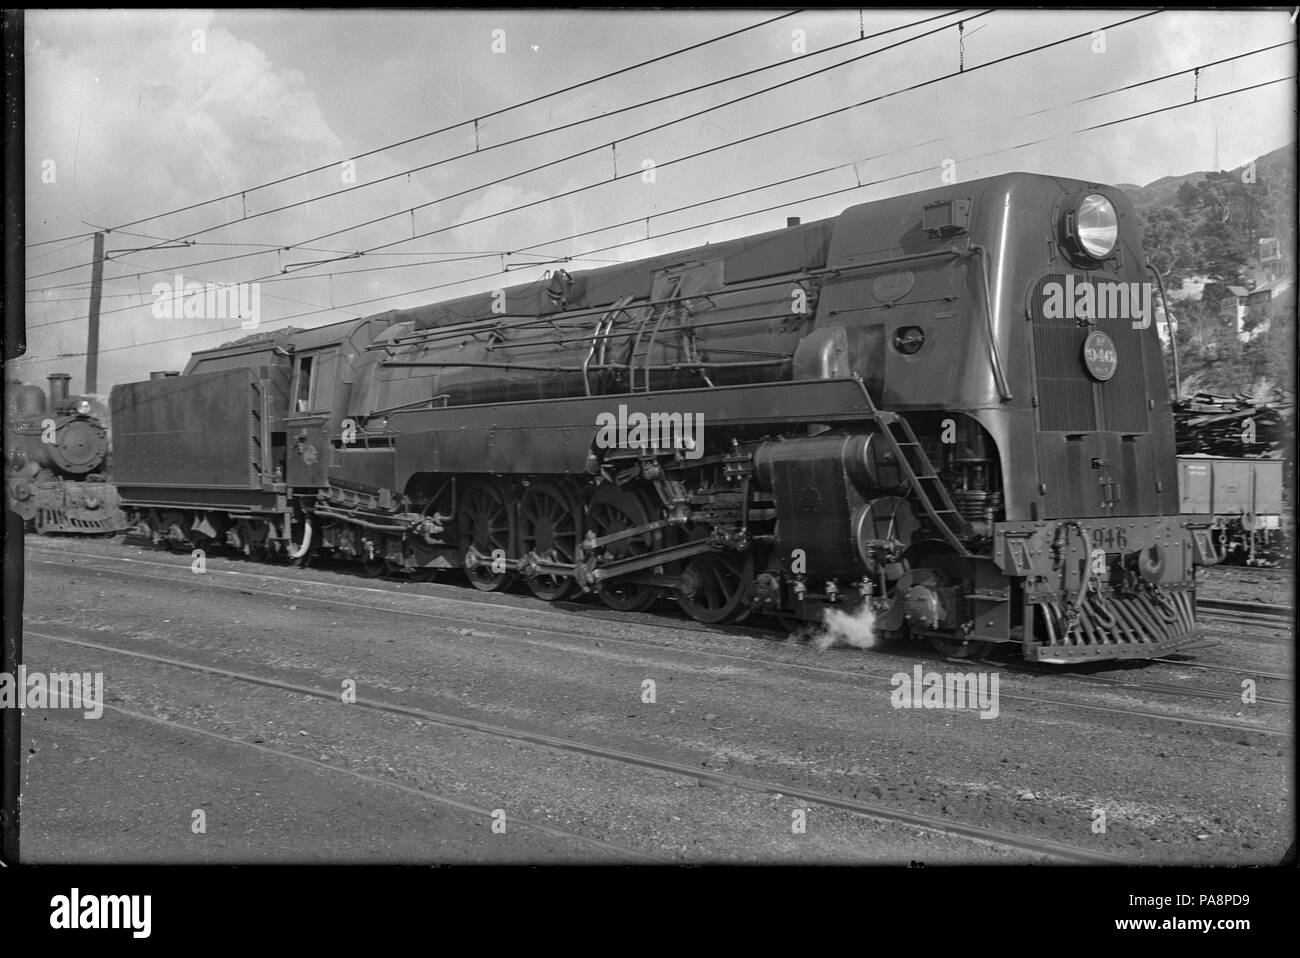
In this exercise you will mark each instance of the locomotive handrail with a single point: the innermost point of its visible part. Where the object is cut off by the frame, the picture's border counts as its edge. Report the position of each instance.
(599, 336)
(1173, 344)
(416, 363)
(470, 325)
(408, 405)
(999, 376)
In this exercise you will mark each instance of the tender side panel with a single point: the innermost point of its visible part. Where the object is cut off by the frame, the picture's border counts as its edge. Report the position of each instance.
(190, 431)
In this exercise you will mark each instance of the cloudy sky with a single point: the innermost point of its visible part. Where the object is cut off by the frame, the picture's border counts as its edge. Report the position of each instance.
(133, 114)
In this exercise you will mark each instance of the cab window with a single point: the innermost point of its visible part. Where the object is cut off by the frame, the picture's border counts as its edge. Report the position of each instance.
(303, 400)
(316, 375)
(326, 372)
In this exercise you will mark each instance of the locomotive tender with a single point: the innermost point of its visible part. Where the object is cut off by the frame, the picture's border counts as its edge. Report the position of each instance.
(946, 410)
(57, 460)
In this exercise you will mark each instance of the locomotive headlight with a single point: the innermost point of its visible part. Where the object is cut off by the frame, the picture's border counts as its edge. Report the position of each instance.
(83, 408)
(1096, 226)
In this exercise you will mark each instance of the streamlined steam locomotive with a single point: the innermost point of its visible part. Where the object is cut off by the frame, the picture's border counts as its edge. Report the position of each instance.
(57, 457)
(946, 410)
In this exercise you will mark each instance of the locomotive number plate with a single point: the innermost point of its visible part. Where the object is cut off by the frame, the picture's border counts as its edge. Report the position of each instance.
(1100, 357)
(1110, 539)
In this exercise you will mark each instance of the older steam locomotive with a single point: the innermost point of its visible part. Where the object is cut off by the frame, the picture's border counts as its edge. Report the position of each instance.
(57, 456)
(946, 410)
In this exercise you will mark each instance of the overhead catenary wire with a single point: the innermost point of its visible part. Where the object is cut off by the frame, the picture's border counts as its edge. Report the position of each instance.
(445, 129)
(1168, 76)
(707, 151)
(782, 205)
(451, 256)
(594, 150)
(661, 213)
(665, 163)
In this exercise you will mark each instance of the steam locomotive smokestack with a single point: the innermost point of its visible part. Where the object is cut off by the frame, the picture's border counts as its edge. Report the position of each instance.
(58, 387)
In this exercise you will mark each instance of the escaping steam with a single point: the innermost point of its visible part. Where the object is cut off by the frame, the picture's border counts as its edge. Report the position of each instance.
(856, 628)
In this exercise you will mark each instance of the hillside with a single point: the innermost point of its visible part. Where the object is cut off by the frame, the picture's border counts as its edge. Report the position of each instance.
(1277, 167)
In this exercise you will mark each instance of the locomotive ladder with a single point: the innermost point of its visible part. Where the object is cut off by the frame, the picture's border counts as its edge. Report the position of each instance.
(925, 482)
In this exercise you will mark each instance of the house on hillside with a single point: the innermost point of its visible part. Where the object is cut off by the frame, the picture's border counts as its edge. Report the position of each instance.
(1232, 308)
(1252, 311)
(1269, 293)
(1270, 301)
(1269, 260)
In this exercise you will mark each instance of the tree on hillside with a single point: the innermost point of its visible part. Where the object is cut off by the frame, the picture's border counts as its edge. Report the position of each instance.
(1215, 360)
(1169, 245)
(1188, 200)
(1210, 229)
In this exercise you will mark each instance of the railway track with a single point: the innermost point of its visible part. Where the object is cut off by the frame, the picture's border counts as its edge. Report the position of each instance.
(1257, 572)
(1247, 613)
(536, 634)
(1248, 673)
(621, 851)
(1053, 850)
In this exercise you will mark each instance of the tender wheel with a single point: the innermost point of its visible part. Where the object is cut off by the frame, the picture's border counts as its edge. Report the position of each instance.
(960, 648)
(483, 519)
(142, 533)
(548, 528)
(714, 586)
(614, 509)
(176, 537)
(255, 536)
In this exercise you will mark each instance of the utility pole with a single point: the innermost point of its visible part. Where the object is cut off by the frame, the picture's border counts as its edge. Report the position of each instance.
(92, 334)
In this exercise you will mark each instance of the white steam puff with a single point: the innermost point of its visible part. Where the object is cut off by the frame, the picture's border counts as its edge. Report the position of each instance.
(856, 629)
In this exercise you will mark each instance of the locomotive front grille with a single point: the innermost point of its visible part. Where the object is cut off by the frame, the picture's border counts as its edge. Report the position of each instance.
(60, 520)
(1110, 625)
(1068, 399)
